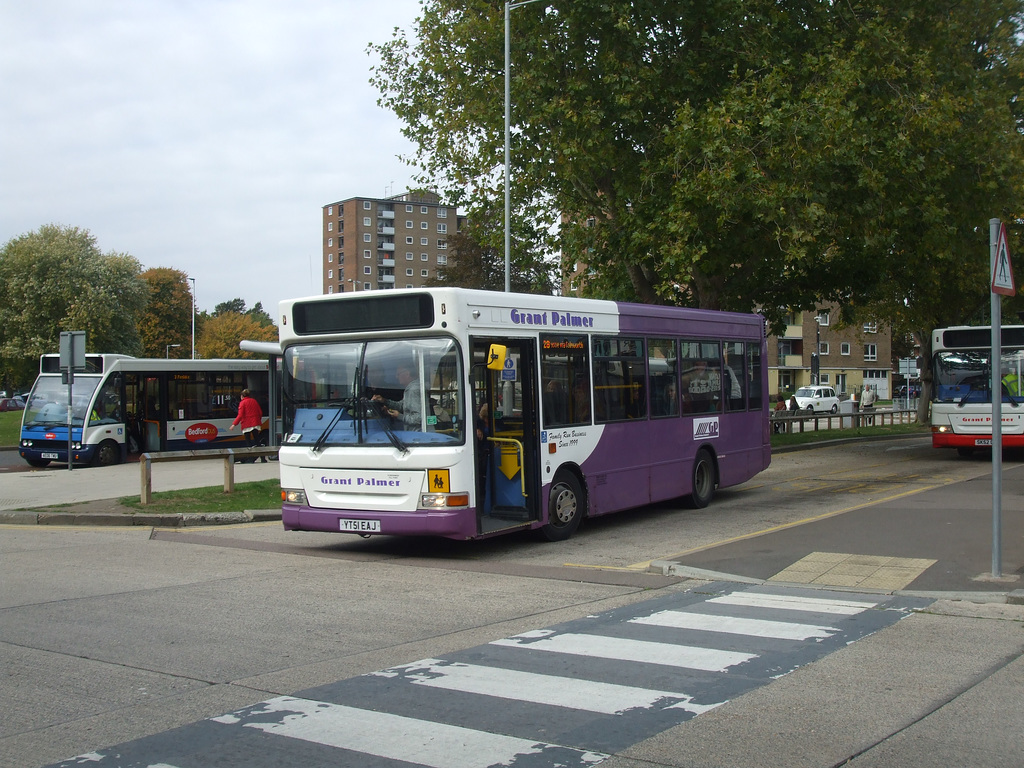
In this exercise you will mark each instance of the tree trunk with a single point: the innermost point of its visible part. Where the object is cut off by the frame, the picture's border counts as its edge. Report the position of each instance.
(924, 341)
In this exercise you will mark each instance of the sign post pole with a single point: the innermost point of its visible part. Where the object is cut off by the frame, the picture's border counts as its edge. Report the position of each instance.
(72, 358)
(1002, 285)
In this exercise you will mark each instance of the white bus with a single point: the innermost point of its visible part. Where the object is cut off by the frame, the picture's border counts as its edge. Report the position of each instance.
(126, 405)
(466, 414)
(962, 387)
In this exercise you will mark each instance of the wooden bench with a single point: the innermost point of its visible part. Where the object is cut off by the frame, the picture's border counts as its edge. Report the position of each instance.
(227, 455)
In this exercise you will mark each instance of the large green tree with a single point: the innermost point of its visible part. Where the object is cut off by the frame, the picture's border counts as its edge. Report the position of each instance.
(56, 279)
(724, 154)
(472, 262)
(168, 319)
(223, 331)
(237, 306)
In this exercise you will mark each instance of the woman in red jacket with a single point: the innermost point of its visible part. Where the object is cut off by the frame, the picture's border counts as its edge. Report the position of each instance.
(250, 417)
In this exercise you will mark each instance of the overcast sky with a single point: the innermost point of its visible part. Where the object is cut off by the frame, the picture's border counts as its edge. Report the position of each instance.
(202, 135)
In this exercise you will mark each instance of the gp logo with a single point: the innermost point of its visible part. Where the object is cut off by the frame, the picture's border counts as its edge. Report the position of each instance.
(705, 429)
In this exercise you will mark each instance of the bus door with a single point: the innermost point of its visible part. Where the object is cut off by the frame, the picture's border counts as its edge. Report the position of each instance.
(145, 420)
(507, 463)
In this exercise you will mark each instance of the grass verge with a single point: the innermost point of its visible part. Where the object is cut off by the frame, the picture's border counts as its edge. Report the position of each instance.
(889, 430)
(10, 428)
(262, 494)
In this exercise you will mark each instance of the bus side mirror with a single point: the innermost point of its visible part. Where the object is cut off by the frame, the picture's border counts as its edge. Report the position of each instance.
(496, 357)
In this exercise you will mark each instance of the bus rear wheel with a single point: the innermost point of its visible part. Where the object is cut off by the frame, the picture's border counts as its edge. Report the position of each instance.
(703, 480)
(107, 454)
(565, 508)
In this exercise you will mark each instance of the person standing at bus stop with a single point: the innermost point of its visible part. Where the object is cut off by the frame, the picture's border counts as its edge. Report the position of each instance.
(250, 418)
(867, 403)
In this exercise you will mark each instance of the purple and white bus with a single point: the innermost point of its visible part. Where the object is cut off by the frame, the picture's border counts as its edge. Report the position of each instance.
(465, 414)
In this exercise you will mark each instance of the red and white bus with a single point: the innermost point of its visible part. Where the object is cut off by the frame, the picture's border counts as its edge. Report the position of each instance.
(962, 387)
(466, 414)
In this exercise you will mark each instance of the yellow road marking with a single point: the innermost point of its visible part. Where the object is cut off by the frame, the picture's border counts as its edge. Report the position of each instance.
(624, 568)
(836, 569)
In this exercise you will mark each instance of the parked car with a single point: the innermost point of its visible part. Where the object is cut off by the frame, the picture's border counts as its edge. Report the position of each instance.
(16, 403)
(915, 391)
(817, 399)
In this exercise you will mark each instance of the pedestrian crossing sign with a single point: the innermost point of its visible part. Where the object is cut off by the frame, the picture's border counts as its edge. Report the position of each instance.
(1002, 270)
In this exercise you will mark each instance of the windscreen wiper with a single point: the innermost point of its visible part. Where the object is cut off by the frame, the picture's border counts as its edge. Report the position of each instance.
(385, 424)
(341, 405)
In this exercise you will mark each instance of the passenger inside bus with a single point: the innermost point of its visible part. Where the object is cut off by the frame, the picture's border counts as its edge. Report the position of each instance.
(701, 388)
(668, 404)
(555, 403)
(581, 399)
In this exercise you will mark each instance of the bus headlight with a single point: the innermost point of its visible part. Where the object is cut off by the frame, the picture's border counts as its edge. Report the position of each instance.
(941, 429)
(443, 500)
(291, 496)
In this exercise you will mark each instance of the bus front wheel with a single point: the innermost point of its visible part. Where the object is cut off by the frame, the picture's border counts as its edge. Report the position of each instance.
(565, 508)
(703, 480)
(107, 454)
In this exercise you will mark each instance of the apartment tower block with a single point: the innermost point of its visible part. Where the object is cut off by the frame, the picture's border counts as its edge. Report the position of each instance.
(384, 243)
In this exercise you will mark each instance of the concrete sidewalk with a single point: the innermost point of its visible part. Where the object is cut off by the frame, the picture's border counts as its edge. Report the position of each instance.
(24, 491)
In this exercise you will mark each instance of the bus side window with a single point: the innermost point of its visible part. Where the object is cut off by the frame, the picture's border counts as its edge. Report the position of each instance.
(661, 366)
(702, 376)
(564, 362)
(620, 379)
(734, 382)
(754, 376)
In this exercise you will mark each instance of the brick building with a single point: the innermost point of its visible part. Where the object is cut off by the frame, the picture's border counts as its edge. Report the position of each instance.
(848, 358)
(385, 243)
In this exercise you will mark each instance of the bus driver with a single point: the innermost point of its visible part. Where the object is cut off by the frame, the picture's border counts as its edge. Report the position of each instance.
(408, 408)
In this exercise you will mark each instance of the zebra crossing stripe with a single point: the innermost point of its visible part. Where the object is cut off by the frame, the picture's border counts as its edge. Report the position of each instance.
(794, 603)
(587, 695)
(733, 625)
(620, 649)
(395, 737)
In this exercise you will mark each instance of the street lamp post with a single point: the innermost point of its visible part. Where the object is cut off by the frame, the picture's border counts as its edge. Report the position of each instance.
(509, 5)
(167, 350)
(193, 317)
(816, 358)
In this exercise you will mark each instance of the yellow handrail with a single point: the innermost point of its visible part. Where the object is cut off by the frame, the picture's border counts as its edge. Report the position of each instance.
(522, 458)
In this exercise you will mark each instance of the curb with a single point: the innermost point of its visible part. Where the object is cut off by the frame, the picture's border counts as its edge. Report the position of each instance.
(670, 568)
(170, 520)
